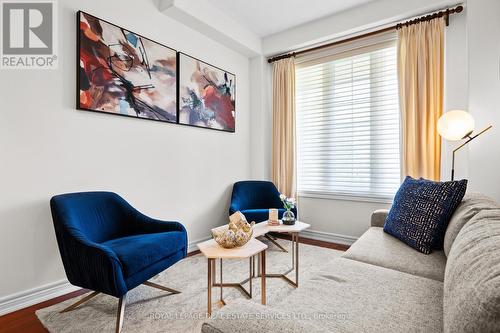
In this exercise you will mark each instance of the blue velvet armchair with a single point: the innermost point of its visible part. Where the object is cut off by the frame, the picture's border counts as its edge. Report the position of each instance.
(254, 198)
(108, 246)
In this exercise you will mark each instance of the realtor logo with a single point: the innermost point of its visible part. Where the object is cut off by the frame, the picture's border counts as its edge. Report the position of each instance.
(28, 34)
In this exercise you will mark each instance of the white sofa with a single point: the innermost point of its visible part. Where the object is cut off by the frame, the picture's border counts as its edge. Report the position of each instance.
(382, 285)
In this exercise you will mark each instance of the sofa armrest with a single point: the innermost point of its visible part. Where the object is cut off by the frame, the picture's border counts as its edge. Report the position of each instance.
(378, 217)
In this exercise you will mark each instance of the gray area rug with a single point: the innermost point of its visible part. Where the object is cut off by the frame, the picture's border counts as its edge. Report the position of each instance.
(152, 310)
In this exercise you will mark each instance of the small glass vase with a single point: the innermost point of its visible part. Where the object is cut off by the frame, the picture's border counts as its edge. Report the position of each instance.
(288, 217)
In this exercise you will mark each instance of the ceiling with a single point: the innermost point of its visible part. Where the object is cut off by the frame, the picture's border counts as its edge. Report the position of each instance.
(266, 17)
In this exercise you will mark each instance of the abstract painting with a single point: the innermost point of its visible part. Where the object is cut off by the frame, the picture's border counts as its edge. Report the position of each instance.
(206, 95)
(121, 72)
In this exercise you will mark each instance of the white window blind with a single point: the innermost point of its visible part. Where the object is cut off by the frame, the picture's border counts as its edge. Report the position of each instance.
(348, 123)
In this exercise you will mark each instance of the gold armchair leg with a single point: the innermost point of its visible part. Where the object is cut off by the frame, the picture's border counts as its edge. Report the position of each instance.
(157, 286)
(83, 300)
(275, 243)
(120, 313)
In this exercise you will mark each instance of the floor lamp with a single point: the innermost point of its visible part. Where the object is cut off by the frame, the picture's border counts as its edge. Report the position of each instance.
(457, 125)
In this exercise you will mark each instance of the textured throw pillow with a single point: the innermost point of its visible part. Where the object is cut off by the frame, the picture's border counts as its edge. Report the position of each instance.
(421, 211)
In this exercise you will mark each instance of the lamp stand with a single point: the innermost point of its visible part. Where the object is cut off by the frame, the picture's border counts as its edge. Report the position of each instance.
(469, 139)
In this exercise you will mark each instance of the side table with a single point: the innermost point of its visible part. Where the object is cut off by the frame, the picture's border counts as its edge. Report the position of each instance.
(212, 251)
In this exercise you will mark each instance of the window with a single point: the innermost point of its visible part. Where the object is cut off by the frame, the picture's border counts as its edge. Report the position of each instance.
(348, 123)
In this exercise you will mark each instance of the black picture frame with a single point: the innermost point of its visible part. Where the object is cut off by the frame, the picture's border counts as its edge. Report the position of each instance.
(78, 69)
(179, 88)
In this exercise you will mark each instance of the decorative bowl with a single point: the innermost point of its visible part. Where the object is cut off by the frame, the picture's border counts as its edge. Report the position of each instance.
(238, 233)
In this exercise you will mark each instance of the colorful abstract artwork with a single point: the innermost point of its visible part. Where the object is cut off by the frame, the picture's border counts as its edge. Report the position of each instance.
(206, 95)
(123, 73)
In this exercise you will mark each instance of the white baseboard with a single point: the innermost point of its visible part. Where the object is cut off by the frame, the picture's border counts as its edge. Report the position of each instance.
(43, 293)
(36, 295)
(328, 237)
(192, 245)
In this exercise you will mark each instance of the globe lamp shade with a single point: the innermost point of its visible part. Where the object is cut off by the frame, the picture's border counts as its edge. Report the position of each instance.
(455, 125)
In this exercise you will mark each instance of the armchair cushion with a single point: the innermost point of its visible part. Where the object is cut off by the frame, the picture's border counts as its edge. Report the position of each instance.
(139, 251)
(152, 270)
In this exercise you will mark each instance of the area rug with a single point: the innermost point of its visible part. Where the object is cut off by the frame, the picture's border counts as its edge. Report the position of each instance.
(152, 310)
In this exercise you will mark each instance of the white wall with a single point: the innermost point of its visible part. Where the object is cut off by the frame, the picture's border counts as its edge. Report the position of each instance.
(260, 105)
(456, 93)
(350, 217)
(47, 147)
(343, 220)
(483, 29)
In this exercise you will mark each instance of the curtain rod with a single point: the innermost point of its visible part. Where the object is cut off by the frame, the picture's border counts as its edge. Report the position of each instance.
(446, 13)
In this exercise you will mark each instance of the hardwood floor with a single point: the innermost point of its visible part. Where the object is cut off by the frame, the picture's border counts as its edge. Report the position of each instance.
(334, 246)
(25, 320)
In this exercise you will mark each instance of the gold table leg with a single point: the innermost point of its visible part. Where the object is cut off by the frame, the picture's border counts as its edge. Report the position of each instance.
(251, 270)
(253, 265)
(258, 265)
(297, 259)
(221, 299)
(263, 276)
(238, 285)
(275, 243)
(295, 263)
(210, 282)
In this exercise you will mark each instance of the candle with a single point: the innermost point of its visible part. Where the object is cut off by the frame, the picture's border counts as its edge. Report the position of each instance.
(273, 214)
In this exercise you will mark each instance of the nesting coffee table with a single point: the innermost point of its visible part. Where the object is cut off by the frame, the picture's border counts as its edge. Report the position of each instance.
(213, 251)
(263, 228)
(254, 248)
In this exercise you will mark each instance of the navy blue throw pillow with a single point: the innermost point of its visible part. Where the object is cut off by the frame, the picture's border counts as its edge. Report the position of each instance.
(421, 211)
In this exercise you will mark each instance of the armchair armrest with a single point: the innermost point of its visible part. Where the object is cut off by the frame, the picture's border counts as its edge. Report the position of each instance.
(378, 217)
(148, 225)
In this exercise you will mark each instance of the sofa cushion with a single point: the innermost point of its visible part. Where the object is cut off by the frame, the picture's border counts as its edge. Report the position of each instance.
(350, 296)
(140, 251)
(367, 298)
(421, 211)
(379, 248)
(472, 203)
(472, 277)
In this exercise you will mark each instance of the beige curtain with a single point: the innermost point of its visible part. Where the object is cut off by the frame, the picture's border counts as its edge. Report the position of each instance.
(283, 168)
(420, 73)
